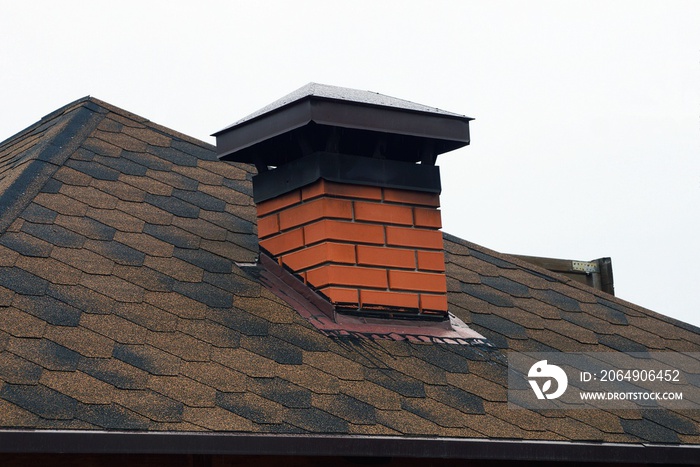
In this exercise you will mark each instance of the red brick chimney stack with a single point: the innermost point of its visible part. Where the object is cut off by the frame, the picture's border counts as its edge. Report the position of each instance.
(348, 195)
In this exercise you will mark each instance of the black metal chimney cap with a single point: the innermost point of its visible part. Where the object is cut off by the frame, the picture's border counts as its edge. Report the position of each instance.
(331, 119)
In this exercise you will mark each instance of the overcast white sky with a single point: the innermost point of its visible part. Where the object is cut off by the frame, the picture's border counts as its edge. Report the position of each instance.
(586, 141)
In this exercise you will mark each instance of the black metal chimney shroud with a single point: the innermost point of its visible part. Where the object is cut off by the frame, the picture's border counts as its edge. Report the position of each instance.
(344, 135)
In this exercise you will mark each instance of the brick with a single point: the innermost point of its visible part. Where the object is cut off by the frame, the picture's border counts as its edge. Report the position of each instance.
(373, 298)
(416, 238)
(385, 256)
(339, 295)
(281, 202)
(284, 242)
(320, 253)
(433, 302)
(426, 217)
(268, 225)
(323, 187)
(314, 210)
(383, 213)
(411, 197)
(418, 281)
(343, 231)
(347, 276)
(431, 260)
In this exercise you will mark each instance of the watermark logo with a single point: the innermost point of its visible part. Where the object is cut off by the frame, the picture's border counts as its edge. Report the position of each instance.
(549, 373)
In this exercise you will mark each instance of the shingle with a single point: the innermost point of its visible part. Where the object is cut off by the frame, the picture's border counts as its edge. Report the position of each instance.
(174, 180)
(647, 430)
(205, 260)
(121, 140)
(288, 394)
(79, 386)
(306, 338)
(556, 299)
(26, 244)
(200, 199)
(457, 398)
(245, 361)
(238, 285)
(21, 324)
(145, 243)
(22, 282)
(202, 176)
(146, 278)
(205, 293)
(148, 358)
(215, 375)
(101, 147)
(218, 419)
(81, 297)
(82, 340)
(86, 227)
(182, 345)
(115, 372)
(173, 235)
(61, 203)
(201, 228)
(315, 420)
(205, 153)
(17, 370)
(40, 400)
(211, 332)
(173, 205)
(45, 353)
(117, 252)
(487, 294)
(620, 343)
(347, 408)
(8, 256)
(177, 304)
(49, 309)
(84, 260)
(72, 177)
(122, 165)
(93, 169)
(175, 268)
(148, 135)
(231, 170)
(147, 185)
(54, 234)
(148, 316)
(151, 405)
(150, 161)
(122, 191)
(38, 214)
(117, 219)
(146, 212)
(397, 382)
(251, 406)
(241, 321)
(446, 357)
(274, 349)
(90, 196)
(115, 328)
(507, 286)
(183, 389)
(174, 156)
(112, 416)
(434, 411)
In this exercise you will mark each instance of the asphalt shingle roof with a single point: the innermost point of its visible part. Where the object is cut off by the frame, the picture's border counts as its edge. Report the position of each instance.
(122, 307)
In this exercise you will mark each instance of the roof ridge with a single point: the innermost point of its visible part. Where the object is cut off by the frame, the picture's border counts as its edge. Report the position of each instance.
(59, 134)
(568, 281)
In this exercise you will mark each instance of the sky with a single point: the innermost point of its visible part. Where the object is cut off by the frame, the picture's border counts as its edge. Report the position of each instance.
(586, 138)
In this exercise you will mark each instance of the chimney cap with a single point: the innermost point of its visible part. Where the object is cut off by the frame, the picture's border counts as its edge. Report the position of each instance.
(319, 108)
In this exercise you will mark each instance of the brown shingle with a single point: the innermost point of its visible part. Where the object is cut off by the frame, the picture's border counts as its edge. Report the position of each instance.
(183, 389)
(182, 345)
(121, 190)
(90, 196)
(175, 268)
(81, 340)
(61, 204)
(147, 184)
(21, 324)
(177, 304)
(79, 386)
(117, 219)
(215, 375)
(115, 328)
(218, 419)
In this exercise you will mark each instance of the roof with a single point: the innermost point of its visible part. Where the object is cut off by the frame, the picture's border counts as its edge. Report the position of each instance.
(125, 305)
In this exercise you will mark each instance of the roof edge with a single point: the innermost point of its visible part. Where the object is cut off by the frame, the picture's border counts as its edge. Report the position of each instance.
(102, 442)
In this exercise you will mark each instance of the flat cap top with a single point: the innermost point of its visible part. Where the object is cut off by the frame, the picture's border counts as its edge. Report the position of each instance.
(326, 91)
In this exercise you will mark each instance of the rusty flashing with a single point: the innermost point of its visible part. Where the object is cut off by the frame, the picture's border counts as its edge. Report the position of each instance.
(318, 311)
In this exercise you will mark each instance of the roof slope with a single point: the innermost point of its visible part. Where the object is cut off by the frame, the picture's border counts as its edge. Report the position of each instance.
(122, 307)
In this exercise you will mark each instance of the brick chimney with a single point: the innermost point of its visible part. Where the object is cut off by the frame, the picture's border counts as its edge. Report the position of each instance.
(347, 194)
